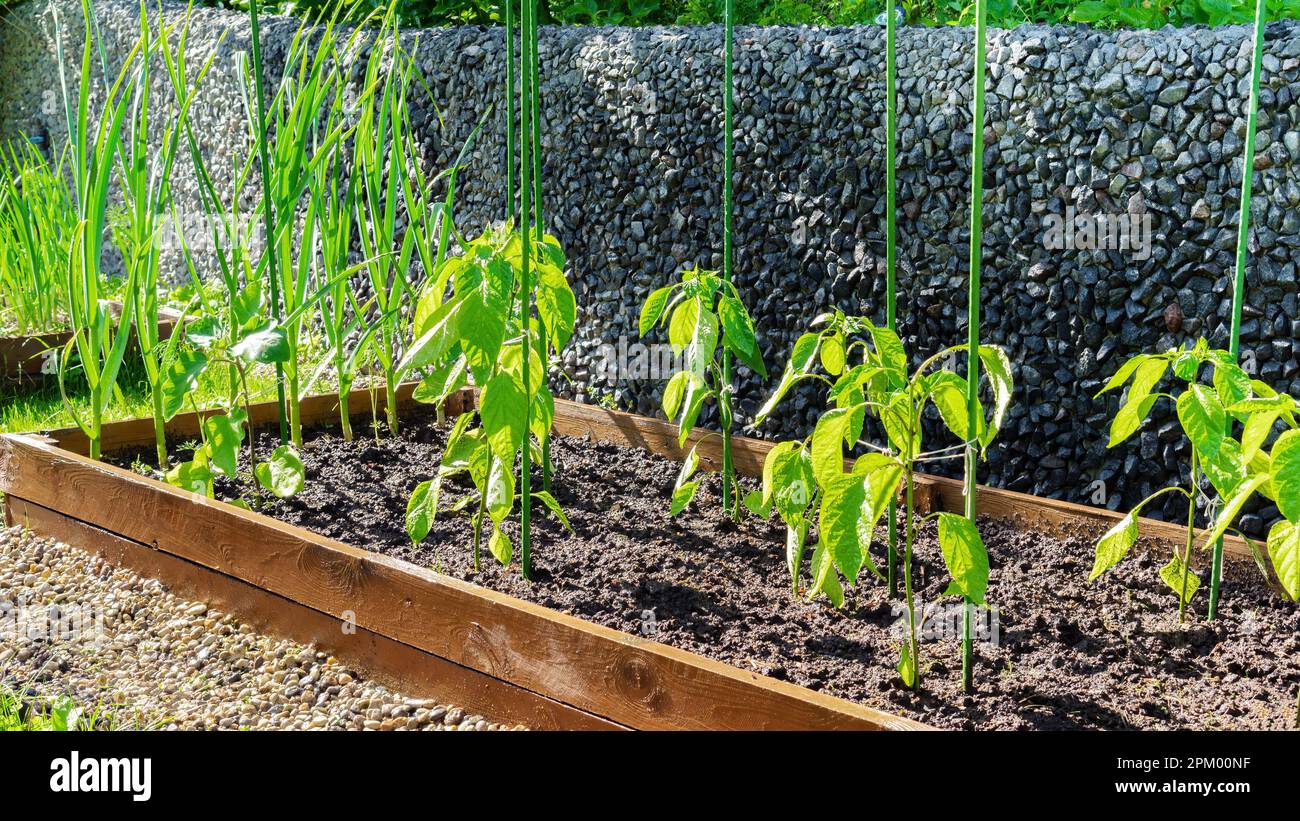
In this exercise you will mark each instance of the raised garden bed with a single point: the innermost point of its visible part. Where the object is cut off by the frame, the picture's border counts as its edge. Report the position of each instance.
(27, 357)
(500, 645)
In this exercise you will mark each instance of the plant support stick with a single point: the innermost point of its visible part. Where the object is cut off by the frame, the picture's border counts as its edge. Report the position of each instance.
(1243, 231)
(891, 251)
(268, 217)
(525, 291)
(729, 505)
(973, 310)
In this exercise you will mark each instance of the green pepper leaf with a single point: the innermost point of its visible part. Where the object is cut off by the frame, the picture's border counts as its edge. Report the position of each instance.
(964, 553)
(283, 474)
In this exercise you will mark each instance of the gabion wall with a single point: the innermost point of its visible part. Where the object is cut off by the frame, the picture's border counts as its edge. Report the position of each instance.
(1137, 134)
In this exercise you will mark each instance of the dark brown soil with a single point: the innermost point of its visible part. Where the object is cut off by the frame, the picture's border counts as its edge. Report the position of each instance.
(1069, 655)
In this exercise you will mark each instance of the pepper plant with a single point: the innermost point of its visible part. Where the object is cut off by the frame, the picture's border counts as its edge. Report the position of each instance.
(1235, 467)
(477, 336)
(706, 318)
(808, 478)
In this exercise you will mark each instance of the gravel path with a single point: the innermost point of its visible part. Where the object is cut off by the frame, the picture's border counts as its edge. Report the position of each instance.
(115, 640)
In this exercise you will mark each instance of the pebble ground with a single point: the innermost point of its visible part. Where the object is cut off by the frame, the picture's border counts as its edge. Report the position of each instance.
(154, 660)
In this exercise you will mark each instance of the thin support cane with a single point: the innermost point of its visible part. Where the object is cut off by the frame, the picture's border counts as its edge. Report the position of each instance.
(973, 311)
(525, 287)
(891, 251)
(724, 394)
(268, 214)
(1243, 231)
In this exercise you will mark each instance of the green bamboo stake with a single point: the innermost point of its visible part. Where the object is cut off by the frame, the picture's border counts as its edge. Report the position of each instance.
(510, 111)
(973, 310)
(547, 467)
(525, 292)
(724, 394)
(1243, 231)
(268, 216)
(891, 251)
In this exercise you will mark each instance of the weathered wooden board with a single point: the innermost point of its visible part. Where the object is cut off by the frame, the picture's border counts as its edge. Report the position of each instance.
(619, 677)
(399, 666)
(24, 357)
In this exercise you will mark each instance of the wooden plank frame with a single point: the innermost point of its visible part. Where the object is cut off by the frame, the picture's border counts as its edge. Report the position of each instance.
(24, 357)
(502, 656)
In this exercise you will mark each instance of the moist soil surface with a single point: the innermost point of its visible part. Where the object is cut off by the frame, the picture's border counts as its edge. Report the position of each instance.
(1066, 654)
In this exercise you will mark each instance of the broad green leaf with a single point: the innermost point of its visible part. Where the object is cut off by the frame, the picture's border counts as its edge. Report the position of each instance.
(779, 452)
(964, 553)
(481, 330)
(796, 540)
(674, 391)
(881, 487)
(442, 332)
(681, 326)
(194, 476)
(801, 360)
(948, 392)
(841, 509)
(421, 510)
(223, 437)
(266, 346)
(502, 408)
(1286, 474)
(552, 505)
(828, 445)
(902, 427)
(1184, 586)
(654, 308)
(1284, 550)
(832, 353)
(1203, 419)
(695, 396)
(283, 474)
(793, 485)
(998, 366)
(689, 464)
(907, 666)
(442, 382)
(1129, 419)
(1256, 432)
(556, 306)
(1147, 377)
(825, 580)
(500, 547)
(704, 343)
(754, 504)
(1227, 470)
(1231, 383)
(543, 415)
(181, 379)
(1124, 373)
(1115, 544)
(1230, 511)
(501, 489)
(890, 350)
(682, 496)
(737, 327)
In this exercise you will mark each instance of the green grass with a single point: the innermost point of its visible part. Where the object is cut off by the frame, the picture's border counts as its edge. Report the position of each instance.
(58, 714)
(27, 408)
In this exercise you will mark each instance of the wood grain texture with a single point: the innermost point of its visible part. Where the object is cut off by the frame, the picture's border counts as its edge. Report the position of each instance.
(628, 680)
(23, 357)
(401, 667)
(1065, 518)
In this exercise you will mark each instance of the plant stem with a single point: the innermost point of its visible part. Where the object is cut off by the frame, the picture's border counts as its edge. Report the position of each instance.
(729, 506)
(1191, 536)
(345, 418)
(891, 250)
(1243, 242)
(390, 399)
(159, 429)
(907, 584)
(268, 206)
(525, 290)
(973, 305)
